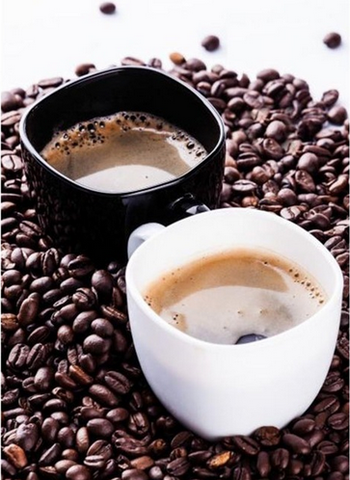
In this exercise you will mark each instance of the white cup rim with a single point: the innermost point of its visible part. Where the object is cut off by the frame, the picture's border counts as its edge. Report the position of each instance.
(269, 342)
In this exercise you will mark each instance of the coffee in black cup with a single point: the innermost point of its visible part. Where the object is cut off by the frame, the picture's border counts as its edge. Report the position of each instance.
(123, 152)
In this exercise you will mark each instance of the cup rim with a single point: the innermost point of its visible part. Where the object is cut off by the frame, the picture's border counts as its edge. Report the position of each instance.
(105, 73)
(210, 346)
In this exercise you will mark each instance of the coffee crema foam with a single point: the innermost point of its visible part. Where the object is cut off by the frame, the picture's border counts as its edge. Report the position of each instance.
(222, 297)
(123, 152)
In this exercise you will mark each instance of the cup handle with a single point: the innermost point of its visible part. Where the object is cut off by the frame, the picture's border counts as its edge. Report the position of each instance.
(183, 207)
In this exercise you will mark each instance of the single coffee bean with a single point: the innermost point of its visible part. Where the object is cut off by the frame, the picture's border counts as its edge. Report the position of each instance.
(63, 465)
(107, 8)
(177, 58)
(296, 444)
(337, 114)
(246, 444)
(330, 97)
(82, 440)
(9, 102)
(84, 69)
(51, 455)
(27, 436)
(104, 395)
(16, 455)
(280, 458)
(211, 43)
(267, 436)
(78, 472)
(101, 427)
(117, 382)
(95, 344)
(332, 40)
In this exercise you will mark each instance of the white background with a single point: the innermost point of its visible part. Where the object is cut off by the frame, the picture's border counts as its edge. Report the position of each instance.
(45, 38)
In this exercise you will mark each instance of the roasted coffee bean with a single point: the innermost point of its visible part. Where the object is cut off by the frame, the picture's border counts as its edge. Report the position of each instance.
(114, 315)
(49, 429)
(63, 465)
(43, 378)
(330, 97)
(102, 281)
(9, 102)
(338, 421)
(84, 298)
(246, 444)
(78, 472)
(18, 355)
(303, 426)
(83, 321)
(79, 376)
(96, 345)
(134, 447)
(27, 436)
(280, 458)
(51, 455)
(117, 382)
(100, 427)
(332, 40)
(177, 58)
(337, 114)
(15, 455)
(82, 440)
(9, 322)
(102, 327)
(211, 43)
(138, 423)
(296, 444)
(84, 69)
(134, 474)
(263, 464)
(107, 8)
(28, 310)
(267, 436)
(104, 395)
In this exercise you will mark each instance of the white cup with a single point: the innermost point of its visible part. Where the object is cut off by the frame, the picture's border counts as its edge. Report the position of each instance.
(219, 390)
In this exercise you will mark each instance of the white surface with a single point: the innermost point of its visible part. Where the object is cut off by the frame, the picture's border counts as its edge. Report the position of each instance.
(45, 38)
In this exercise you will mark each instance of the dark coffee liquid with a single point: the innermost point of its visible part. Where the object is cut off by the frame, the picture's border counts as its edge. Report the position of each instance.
(123, 152)
(222, 297)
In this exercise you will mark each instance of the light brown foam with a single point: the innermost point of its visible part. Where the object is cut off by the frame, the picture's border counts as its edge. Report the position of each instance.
(123, 152)
(221, 297)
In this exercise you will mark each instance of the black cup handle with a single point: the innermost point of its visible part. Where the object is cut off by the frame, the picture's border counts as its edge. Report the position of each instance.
(183, 207)
(186, 206)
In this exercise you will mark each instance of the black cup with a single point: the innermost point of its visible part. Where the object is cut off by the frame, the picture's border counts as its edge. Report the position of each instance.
(81, 219)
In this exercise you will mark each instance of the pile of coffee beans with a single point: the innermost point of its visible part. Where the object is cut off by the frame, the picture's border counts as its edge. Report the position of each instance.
(75, 404)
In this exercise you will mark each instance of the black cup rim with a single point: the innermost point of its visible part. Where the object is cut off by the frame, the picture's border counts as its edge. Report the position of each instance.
(106, 72)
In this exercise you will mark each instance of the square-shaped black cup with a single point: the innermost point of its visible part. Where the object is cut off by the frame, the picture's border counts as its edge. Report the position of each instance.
(84, 220)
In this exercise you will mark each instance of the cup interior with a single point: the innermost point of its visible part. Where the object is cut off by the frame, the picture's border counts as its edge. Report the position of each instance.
(221, 230)
(123, 88)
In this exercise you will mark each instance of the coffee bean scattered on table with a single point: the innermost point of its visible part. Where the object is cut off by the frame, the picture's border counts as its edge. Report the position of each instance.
(332, 40)
(107, 8)
(75, 404)
(177, 58)
(211, 43)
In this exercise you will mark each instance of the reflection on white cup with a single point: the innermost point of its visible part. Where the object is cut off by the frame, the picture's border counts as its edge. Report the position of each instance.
(218, 390)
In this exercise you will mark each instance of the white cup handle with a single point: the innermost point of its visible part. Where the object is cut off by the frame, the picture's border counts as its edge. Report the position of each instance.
(141, 234)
